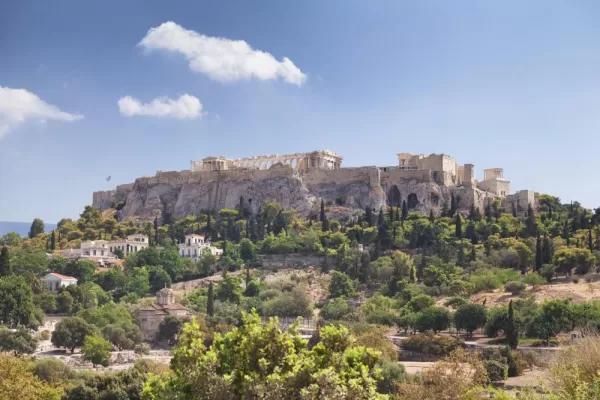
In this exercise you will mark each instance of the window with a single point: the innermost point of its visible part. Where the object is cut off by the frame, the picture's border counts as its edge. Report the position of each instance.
(94, 252)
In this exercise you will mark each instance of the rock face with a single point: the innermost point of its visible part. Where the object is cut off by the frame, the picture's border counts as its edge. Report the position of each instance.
(178, 194)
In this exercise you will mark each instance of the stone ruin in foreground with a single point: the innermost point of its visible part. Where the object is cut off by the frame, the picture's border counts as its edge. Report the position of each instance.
(299, 181)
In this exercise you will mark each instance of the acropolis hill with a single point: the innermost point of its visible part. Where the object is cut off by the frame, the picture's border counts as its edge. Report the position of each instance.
(299, 181)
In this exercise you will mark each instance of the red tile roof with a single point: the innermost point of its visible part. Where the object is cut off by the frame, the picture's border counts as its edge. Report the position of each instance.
(62, 276)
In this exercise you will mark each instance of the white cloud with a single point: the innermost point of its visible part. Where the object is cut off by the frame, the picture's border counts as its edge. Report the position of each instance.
(185, 107)
(221, 59)
(20, 105)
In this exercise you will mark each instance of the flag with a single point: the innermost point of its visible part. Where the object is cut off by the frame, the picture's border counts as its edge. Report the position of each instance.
(108, 178)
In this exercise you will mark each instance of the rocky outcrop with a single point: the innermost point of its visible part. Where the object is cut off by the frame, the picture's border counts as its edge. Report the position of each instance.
(178, 194)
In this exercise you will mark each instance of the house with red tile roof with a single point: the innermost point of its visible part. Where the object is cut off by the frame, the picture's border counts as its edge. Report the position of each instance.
(55, 281)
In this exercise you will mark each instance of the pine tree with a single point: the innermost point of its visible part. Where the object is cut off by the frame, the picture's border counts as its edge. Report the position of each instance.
(539, 261)
(512, 333)
(452, 210)
(431, 216)
(37, 227)
(210, 302)
(458, 227)
(404, 210)
(5, 269)
(53, 241)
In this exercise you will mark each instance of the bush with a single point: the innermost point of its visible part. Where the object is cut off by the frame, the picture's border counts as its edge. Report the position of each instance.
(269, 294)
(335, 310)
(455, 302)
(377, 340)
(142, 349)
(45, 335)
(392, 373)
(52, 370)
(547, 271)
(341, 285)
(433, 345)
(535, 279)
(514, 287)
(496, 371)
(295, 304)
(515, 363)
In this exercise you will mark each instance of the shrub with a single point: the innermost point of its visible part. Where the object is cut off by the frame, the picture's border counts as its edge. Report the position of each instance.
(341, 285)
(547, 271)
(575, 280)
(470, 317)
(515, 363)
(295, 304)
(335, 310)
(142, 349)
(269, 294)
(52, 370)
(45, 335)
(514, 287)
(496, 371)
(535, 279)
(376, 339)
(497, 320)
(392, 373)
(433, 345)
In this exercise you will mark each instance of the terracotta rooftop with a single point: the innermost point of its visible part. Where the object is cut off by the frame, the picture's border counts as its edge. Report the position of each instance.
(61, 276)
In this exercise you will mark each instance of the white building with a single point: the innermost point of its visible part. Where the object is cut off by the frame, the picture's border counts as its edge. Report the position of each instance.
(55, 281)
(131, 244)
(194, 246)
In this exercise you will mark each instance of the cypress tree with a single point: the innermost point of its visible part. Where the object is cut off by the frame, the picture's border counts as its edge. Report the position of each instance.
(279, 224)
(514, 209)
(471, 233)
(5, 269)
(404, 210)
(156, 231)
(247, 274)
(53, 241)
(530, 224)
(369, 216)
(391, 214)
(539, 261)
(377, 252)
(452, 206)
(431, 216)
(473, 253)
(488, 212)
(322, 214)
(208, 225)
(325, 264)
(210, 303)
(380, 220)
(241, 206)
(458, 227)
(397, 213)
(512, 334)
(547, 250)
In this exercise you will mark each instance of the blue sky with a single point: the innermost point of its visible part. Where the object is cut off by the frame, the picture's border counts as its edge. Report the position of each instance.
(507, 84)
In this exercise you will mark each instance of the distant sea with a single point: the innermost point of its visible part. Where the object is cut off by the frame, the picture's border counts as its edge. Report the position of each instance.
(22, 228)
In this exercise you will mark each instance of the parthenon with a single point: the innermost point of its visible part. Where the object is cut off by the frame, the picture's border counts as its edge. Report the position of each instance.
(319, 159)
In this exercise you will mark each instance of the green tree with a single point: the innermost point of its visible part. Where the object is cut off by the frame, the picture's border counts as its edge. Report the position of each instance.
(568, 258)
(458, 226)
(435, 319)
(512, 332)
(229, 289)
(37, 227)
(257, 360)
(96, 350)
(124, 335)
(17, 342)
(64, 303)
(210, 303)
(404, 211)
(341, 285)
(539, 261)
(18, 382)
(470, 317)
(158, 278)
(70, 333)
(53, 241)
(247, 250)
(169, 328)
(452, 209)
(5, 269)
(16, 302)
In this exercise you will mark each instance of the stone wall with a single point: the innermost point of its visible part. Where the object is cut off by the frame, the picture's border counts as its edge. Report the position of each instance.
(280, 261)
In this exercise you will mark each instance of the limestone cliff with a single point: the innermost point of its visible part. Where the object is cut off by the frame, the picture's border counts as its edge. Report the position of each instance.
(183, 193)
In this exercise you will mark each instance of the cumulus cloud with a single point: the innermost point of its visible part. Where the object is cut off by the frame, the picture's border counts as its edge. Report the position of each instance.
(185, 107)
(20, 105)
(222, 59)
